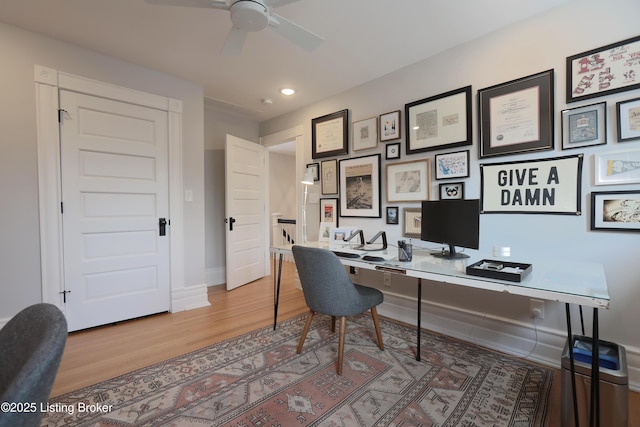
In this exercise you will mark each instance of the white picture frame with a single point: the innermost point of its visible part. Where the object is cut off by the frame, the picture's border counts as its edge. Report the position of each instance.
(617, 167)
(408, 181)
(365, 134)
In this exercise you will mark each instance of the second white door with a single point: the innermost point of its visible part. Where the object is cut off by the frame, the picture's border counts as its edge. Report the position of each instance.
(245, 211)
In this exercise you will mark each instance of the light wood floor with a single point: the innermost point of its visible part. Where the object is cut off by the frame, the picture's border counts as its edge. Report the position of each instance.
(101, 353)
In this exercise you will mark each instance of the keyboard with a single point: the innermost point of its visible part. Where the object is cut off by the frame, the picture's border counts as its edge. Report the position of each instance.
(346, 254)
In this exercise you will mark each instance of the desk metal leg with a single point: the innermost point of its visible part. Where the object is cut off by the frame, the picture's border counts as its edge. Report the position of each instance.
(572, 367)
(276, 288)
(595, 373)
(594, 412)
(418, 326)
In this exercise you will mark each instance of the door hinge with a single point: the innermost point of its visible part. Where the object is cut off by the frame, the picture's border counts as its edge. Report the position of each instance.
(61, 207)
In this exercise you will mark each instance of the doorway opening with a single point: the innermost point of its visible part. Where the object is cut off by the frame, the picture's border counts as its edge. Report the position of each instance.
(281, 205)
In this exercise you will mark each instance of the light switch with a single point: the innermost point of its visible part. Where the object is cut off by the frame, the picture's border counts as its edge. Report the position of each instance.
(188, 195)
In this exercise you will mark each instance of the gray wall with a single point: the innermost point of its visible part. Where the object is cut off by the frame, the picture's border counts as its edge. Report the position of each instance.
(20, 282)
(529, 47)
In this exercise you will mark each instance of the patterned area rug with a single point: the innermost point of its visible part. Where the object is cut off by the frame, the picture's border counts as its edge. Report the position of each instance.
(258, 380)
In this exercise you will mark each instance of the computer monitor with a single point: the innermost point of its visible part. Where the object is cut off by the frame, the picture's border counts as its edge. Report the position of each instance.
(453, 223)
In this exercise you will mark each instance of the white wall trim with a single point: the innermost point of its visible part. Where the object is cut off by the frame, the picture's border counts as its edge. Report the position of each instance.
(519, 339)
(189, 298)
(48, 81)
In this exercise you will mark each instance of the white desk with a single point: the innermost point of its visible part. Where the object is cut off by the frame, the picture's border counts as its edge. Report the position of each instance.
(582, 284)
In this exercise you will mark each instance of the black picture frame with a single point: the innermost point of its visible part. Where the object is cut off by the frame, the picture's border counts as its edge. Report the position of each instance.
(584, 126)
(330, 135)
(392, 151)
(451, 190)
(615, 210)
(452, 165)
(602, 71)
(440, 121)
(628, 115)
(393, 215)
(517, 116)
(315, 167)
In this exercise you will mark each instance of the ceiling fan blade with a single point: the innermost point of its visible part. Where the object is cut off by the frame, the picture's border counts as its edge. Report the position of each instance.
(296, 34)
(207, 4)
(278, 3)
(234, 42)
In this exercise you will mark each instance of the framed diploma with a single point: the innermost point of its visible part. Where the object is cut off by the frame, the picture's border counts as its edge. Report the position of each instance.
(517, 116)
(330, 135)
(441, 121)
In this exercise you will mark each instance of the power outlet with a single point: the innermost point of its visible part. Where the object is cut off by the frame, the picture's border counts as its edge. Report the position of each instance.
(536, 309)
(387, 280)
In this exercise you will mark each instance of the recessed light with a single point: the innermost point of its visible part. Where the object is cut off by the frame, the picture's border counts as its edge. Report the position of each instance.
(287, 91)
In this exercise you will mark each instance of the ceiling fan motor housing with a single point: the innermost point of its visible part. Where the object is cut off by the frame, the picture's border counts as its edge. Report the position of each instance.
(249, 15)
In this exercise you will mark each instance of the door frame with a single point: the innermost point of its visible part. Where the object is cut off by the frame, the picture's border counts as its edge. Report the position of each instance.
(287, 135)
(48, 81)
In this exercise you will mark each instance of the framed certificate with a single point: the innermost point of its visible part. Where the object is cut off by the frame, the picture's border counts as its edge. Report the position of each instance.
(330, 135)
(517, 116)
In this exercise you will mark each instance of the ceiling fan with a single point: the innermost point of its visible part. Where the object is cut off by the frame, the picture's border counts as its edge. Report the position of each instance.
(252, 16)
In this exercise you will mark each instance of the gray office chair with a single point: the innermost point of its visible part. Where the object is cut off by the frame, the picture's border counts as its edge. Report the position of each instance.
(328, 290)
(31, 346)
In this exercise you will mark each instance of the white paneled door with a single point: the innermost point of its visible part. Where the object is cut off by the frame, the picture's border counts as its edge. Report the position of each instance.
(114, 172)
(245, 211)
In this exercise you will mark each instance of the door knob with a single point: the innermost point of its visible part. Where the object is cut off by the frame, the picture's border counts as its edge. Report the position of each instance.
(162, 225)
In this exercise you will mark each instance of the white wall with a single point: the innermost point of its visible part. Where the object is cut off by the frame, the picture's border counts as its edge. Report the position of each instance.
(529, 47)
(20, 282)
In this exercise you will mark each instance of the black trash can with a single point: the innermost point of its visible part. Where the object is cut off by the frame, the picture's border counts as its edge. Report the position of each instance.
(614, 383)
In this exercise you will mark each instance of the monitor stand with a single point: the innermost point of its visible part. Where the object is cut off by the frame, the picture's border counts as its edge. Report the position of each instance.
(450, 254)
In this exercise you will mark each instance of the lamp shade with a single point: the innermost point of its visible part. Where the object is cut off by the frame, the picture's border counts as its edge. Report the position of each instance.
(308, 177)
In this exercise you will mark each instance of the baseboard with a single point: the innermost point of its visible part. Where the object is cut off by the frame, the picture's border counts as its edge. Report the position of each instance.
(520, 339)
(189, 298)
(215, 276)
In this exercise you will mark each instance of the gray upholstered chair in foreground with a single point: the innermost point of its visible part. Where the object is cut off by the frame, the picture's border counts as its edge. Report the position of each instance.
(328, 290)
(31, 346)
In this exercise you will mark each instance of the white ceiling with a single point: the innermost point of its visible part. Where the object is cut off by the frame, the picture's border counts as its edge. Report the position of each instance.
(364, 39)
